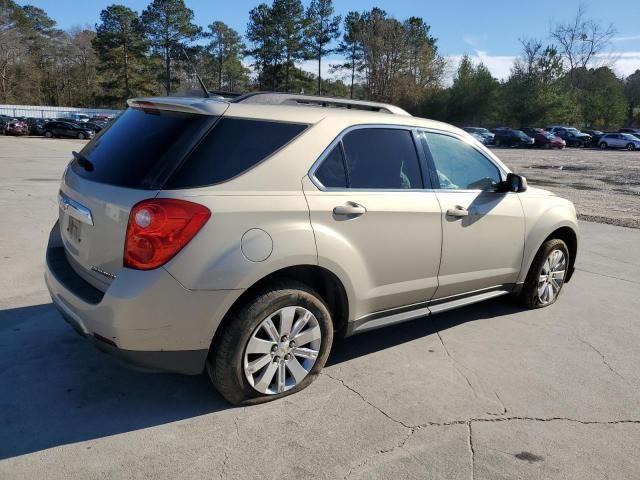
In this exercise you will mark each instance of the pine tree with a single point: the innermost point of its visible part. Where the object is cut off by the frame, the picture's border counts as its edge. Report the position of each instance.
(322, 28)
(121, 49)
(169, 27)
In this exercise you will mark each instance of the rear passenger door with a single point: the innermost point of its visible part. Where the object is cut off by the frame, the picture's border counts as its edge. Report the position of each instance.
(374, 219)
(482, 228)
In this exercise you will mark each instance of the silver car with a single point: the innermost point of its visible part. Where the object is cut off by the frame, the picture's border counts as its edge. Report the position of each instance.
(619, 140)
(242, 237)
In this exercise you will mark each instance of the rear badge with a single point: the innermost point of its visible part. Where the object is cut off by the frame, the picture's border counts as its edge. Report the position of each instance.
(102, 272)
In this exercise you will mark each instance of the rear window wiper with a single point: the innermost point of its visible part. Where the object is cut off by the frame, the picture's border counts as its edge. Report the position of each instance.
(83, 161)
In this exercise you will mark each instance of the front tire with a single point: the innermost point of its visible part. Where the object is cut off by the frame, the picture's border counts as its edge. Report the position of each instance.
(546, 275)
(81, 136)
(274, 345)
(48, 134)
(631, 147)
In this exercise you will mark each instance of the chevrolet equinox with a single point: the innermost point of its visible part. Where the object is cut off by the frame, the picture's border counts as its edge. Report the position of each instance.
(240, 237)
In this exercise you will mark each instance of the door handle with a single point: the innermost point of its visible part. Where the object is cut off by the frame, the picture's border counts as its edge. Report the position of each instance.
(351, 209)
(458, 211)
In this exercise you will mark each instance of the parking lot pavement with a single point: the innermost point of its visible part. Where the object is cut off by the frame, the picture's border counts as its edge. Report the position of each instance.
(603, 185)
(486, 392)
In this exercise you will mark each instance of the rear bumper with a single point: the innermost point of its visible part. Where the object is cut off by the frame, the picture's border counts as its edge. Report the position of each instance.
(145, 319)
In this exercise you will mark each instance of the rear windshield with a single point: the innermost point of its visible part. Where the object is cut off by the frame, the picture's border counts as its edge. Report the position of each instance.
(231, 148)
(141, 148)
(147, 149)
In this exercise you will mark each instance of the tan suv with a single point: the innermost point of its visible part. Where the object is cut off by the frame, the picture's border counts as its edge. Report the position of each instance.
(243, 236)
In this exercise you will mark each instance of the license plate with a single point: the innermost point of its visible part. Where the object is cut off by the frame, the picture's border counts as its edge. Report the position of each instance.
(74, 227)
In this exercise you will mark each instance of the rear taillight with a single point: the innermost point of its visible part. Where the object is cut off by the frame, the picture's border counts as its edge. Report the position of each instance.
(158, 229)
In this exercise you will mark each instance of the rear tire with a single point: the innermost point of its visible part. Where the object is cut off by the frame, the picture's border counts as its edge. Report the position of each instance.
(48, 134)
(245, 378)
(603, 145)
(546, 275)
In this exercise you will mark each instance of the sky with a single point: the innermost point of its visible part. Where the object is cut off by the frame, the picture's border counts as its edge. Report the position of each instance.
(487, 31)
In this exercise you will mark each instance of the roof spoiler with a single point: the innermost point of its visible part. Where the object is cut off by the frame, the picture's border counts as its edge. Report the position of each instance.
(204, 106)
(275, 98)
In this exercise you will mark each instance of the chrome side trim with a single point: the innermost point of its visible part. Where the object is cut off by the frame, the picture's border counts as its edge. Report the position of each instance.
(384, 318)
(405, 313)
(74, 209)
(461, 301)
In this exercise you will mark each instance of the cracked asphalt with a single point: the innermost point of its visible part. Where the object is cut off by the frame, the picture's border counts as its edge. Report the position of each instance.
(490, 391)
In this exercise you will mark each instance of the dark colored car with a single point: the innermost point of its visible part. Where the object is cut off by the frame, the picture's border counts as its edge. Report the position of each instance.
(68, 130)
(632, 131)
(573, 137)
(512, 138)
(488, 138)
(544, 139)
(595, 135)
(95, 126)
(37, 127)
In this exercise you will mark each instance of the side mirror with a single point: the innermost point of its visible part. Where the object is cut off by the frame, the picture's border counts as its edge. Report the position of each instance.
(515, 183)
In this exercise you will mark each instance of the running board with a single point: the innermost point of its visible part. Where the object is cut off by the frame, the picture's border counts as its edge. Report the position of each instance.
(394, 316)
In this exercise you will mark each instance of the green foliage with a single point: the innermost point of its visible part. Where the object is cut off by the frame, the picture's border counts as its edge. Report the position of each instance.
(382, 58)
(225, 50)
(169, 26)
(632, 97)
(351, 50)
(473, 95)
(121, 47)
(321, 29)
(601, 96)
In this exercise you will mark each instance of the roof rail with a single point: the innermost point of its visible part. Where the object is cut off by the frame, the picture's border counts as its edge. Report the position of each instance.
(275, 98)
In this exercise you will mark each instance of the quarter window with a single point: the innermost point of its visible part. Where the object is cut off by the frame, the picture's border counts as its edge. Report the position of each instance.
(459, 166)
(332, 173)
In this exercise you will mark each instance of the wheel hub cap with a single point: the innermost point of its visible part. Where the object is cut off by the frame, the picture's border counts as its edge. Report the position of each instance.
(282, 350)
(551, 277)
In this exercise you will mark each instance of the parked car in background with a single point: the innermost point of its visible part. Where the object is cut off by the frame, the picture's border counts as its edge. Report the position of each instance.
(488, 136)
(544, 139)
(632, 131)
(95, 126)
(595, 135)
(619, 140)
(16, 128)
(100, 118)
(37, 127)
(512, 138)
(68, 130)
(4, 120)
(572, 136)
(79, 117)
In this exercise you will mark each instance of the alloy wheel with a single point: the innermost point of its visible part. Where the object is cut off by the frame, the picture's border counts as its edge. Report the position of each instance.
(551, 277)
(282, 350)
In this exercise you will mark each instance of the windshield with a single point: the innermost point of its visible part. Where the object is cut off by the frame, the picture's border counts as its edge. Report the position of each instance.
(628, 136)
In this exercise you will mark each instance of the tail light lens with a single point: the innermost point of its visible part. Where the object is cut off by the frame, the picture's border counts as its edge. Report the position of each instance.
(158, 229)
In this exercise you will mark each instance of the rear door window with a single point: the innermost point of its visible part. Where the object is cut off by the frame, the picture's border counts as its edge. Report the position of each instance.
(231, 148)
(382, 158)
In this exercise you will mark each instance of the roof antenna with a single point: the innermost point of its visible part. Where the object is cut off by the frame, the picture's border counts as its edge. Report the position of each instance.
(204, 88)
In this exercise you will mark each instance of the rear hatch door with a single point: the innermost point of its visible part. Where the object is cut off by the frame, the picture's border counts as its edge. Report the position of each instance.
(123, 165)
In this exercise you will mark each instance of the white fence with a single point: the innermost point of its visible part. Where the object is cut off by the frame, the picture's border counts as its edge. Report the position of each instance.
(37, 111)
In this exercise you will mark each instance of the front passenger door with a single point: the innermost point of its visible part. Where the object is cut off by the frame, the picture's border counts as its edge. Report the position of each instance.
(482, 228)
